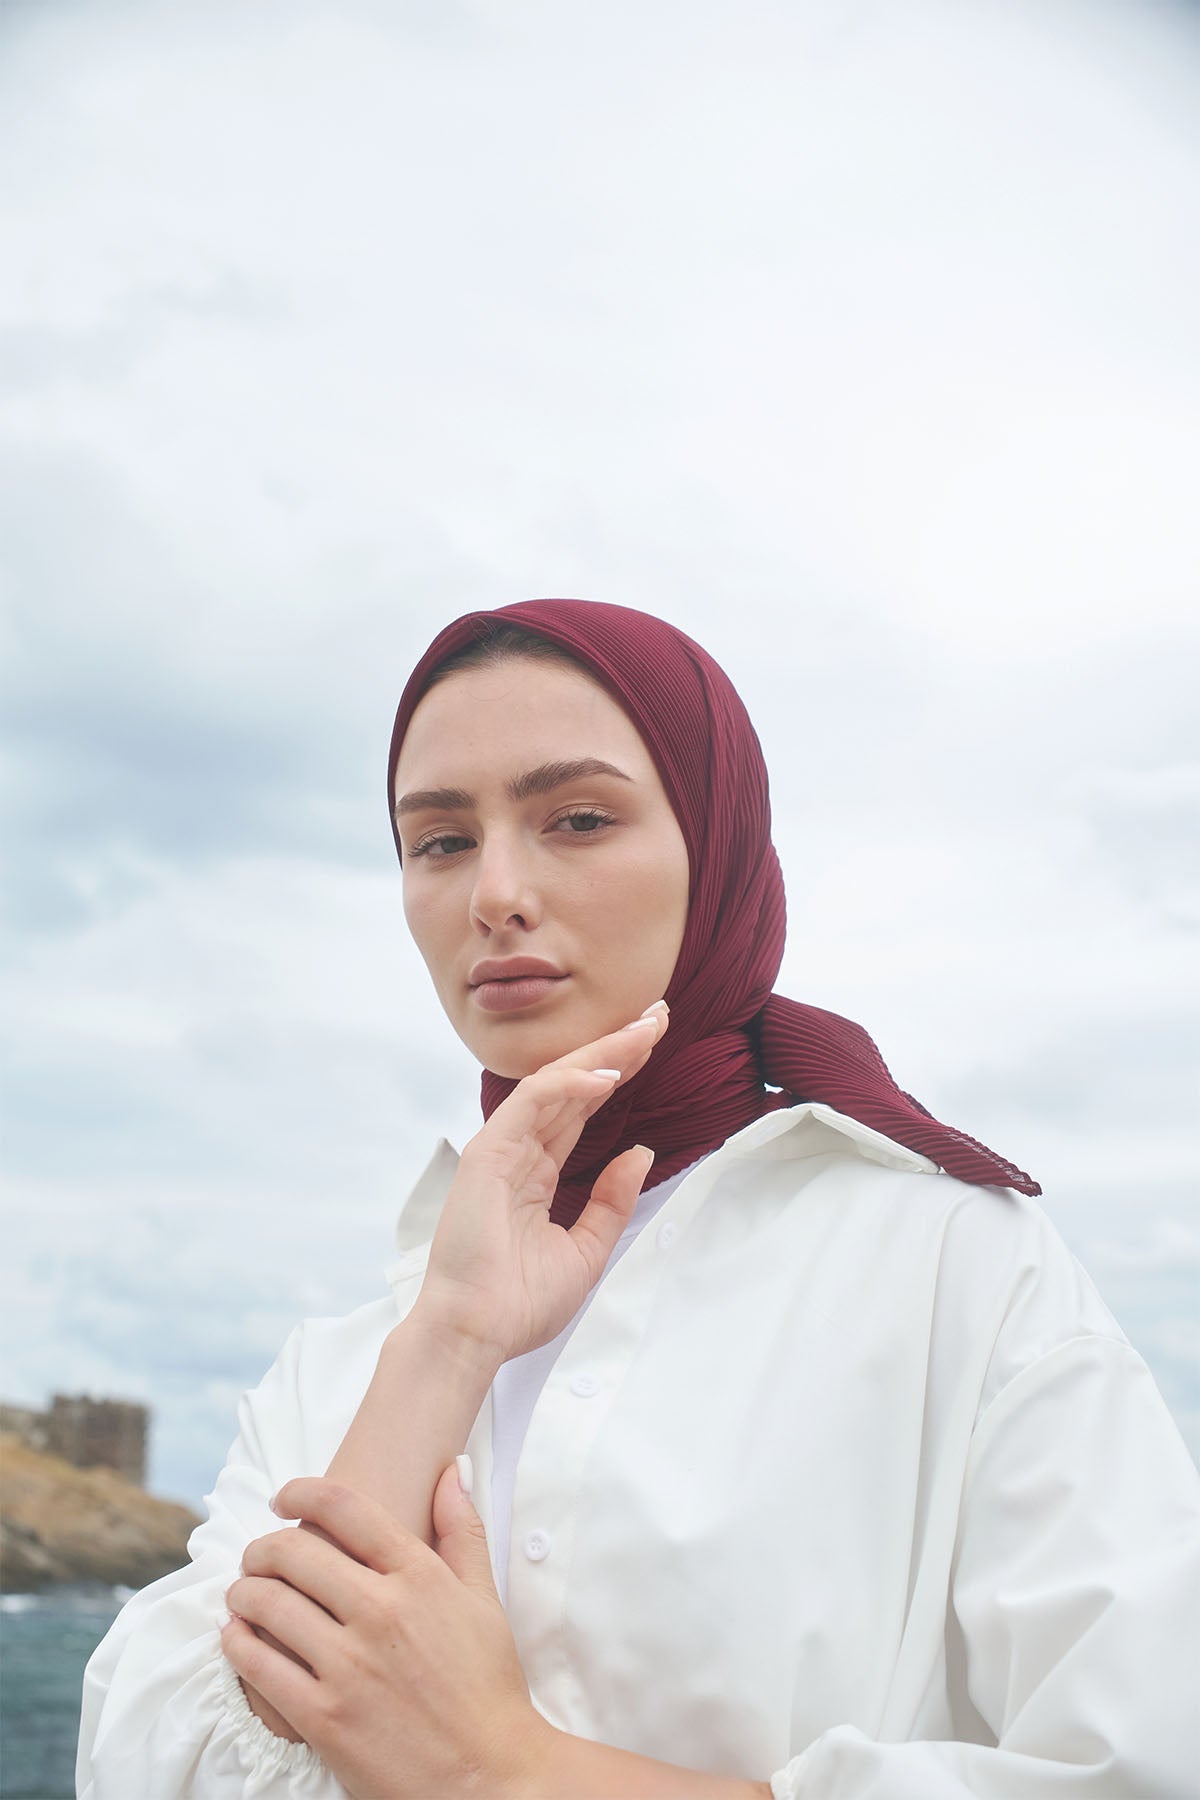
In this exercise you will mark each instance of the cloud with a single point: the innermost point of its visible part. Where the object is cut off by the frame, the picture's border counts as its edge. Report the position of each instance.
(36, 357)
(1146, 830)
(150, 714)
(1173, 1248)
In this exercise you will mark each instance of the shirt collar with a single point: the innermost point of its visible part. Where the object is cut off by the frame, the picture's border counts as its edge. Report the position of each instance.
(823, 1130)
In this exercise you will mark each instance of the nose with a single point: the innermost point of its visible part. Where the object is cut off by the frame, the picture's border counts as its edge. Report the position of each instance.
(504, 892)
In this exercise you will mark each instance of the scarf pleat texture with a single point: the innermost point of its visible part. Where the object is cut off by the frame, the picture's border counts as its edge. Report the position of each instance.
(735, 1049)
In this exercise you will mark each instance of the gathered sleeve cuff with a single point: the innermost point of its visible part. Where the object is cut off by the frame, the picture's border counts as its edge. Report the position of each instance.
(164, 1716)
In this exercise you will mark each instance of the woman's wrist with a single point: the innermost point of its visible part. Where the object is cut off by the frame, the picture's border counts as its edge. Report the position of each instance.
(274, 1721)
(446, 1342)
(414, 1419)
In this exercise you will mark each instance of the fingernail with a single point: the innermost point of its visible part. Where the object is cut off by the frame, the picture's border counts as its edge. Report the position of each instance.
(608, 1074)
(648, 1153)
(466, 1475)
(642, 1023)
(660, 1006)
(273, 1507)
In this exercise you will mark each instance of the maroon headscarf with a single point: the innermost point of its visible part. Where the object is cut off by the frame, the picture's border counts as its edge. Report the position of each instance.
(731, 1039)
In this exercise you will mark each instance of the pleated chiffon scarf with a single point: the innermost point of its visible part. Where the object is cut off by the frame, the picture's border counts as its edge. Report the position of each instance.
(735, 1049)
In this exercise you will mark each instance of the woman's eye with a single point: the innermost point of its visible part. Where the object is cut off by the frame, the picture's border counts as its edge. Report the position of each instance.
(582, 824)
(437, 848)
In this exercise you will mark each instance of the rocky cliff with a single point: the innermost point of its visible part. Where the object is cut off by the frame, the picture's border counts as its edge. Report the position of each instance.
(62, 1524)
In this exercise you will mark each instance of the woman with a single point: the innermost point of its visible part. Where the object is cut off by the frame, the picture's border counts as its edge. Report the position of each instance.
(837, 1479)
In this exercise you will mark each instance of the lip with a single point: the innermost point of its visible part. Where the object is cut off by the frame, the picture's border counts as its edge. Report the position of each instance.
(512, 968)
(513, 983)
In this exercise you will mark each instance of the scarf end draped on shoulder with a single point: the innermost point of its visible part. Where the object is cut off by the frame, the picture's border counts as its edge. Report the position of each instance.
(818, 1055)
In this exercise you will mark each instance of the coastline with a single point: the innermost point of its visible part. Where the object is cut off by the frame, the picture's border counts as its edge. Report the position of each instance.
(83, 1530)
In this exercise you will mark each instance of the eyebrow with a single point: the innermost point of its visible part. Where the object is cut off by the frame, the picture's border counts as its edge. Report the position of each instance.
(542, 780)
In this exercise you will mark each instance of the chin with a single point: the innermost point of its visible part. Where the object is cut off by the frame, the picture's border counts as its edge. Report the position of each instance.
(515, 1070)
(517, 1053)
(515, 1065)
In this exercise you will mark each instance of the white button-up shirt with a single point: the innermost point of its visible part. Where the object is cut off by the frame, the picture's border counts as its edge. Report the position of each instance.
(845, 1476)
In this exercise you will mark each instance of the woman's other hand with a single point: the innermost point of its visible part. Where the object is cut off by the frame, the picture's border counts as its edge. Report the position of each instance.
(393, 1660)
(500, 1272)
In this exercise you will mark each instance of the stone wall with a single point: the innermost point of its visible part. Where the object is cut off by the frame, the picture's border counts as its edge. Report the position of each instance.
(87, 1433)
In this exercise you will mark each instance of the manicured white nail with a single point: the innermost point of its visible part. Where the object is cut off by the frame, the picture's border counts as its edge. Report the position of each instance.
(466, 1474)
(648, 1153)
(608, 1074)
(652, 1012)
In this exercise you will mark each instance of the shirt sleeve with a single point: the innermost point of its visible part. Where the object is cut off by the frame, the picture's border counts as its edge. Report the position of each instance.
(164, 1716)
(1075, 1604)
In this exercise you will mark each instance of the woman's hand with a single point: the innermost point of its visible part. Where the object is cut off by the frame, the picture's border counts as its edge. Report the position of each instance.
(393, 1660)
(499, 1271)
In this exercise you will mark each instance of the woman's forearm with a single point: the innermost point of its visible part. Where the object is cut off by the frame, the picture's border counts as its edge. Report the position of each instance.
(414, 1419)
(423, 1399)
(574, 1768)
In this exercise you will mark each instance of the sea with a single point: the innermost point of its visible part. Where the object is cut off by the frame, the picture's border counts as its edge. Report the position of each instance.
(45, 1640)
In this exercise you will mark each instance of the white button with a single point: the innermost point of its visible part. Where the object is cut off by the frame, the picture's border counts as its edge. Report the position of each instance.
(585, 1386)
(667, 1234)
(537, 1545)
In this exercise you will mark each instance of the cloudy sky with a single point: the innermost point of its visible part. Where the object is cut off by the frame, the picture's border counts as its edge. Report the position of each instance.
(857, 338)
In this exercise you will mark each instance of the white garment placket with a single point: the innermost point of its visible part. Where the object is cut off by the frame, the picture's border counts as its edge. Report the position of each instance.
(568, 1419)
(570, 1414)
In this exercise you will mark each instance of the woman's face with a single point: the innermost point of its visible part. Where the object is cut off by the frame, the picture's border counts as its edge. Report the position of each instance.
(545, 874)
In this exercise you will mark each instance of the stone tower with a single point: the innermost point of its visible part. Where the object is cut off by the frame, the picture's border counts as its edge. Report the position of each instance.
(93, 1434)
